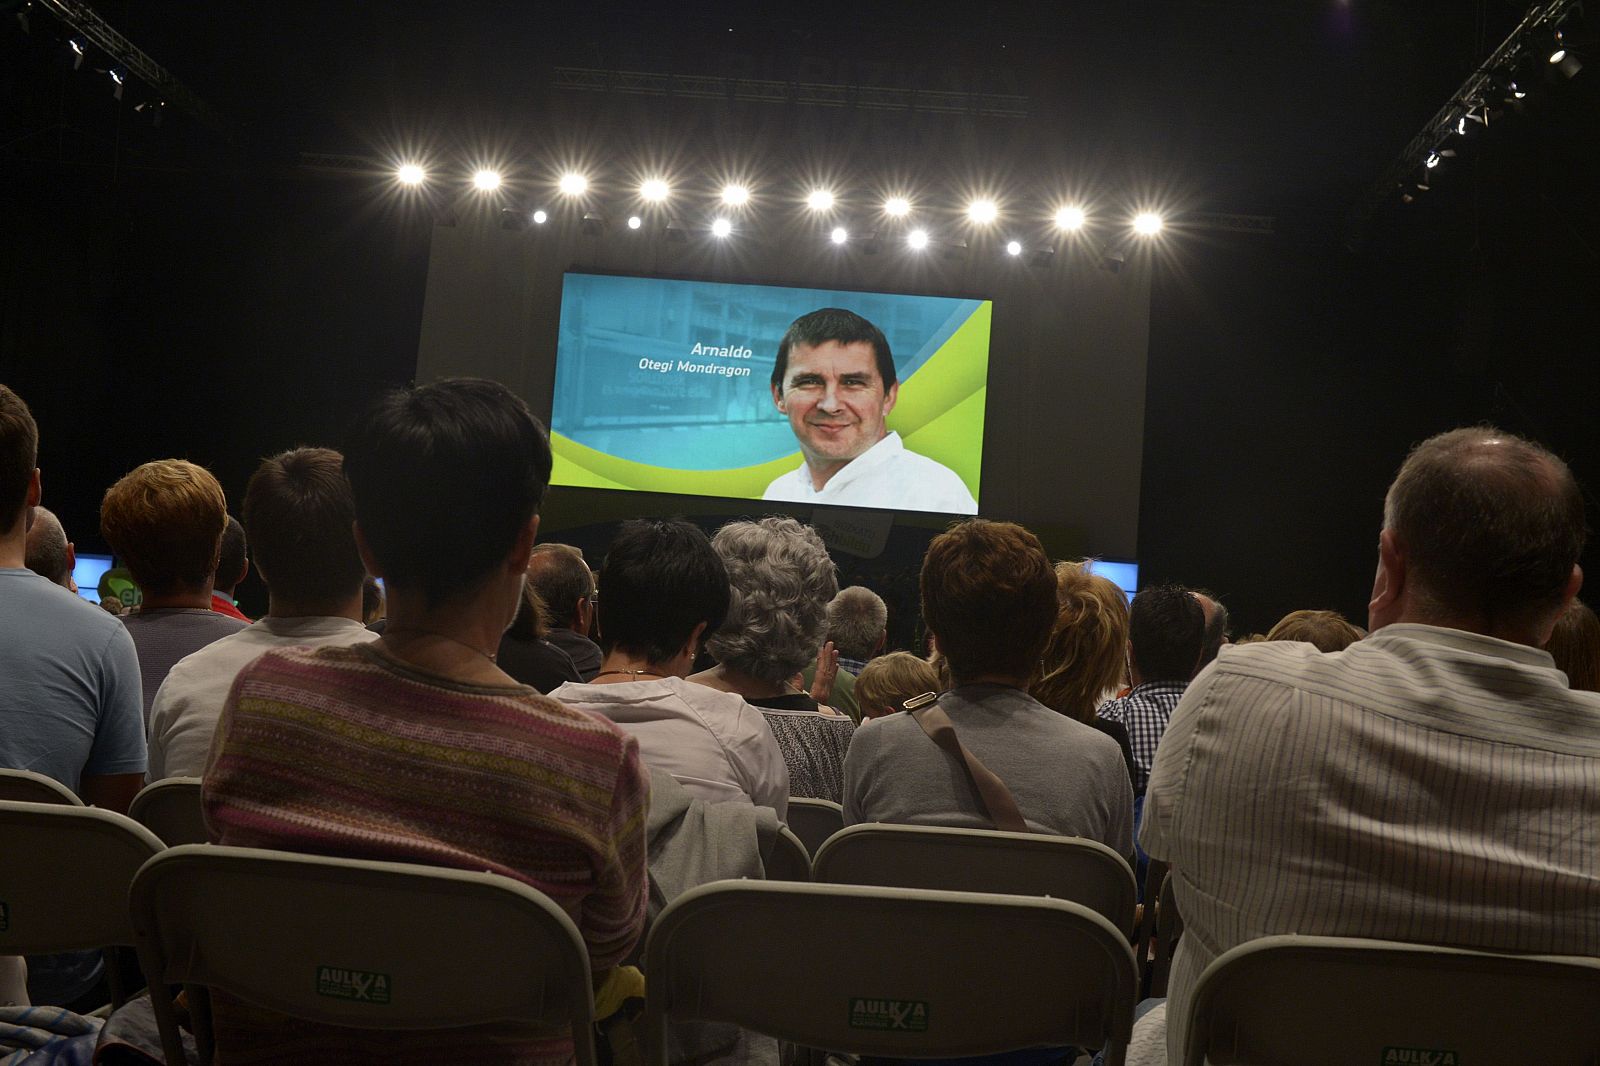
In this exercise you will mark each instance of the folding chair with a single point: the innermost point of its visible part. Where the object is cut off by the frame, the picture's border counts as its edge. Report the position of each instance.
(64, 880)
(981, 860)
(1169, 927)
(1144, 935)
(25, 786)
(1330, 1001)
(369, 945)
(905, 973)
(788, 860)
(814, 821)
(170, 808)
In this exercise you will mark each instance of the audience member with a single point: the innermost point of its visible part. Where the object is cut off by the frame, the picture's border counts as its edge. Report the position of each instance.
(1217, 633)
(526, 655)
(48, 551)
(858, 622)
(372, 605)
(1086, 651)
(164, 520)
(417, 747)
(69, 683)
(1324, 630)
(298, 512)
(1574, 644)
(233, 565)
(780, 581)
(1434, 783)
(1166, 630)
(566, 585)
(989, 597)
(889, 680)
(664, 588)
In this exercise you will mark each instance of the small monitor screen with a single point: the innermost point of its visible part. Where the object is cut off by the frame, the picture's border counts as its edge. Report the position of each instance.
(1124, 574)
(87, 571)
(676, 386)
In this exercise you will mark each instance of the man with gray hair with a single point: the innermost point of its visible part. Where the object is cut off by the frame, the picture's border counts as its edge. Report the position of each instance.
(1435, 782)
(565, 584)
(49, 553)
(858, 622)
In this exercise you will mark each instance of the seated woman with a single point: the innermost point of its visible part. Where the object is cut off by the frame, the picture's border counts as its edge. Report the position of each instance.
(781, 580)
(418, 747)
(662, 590)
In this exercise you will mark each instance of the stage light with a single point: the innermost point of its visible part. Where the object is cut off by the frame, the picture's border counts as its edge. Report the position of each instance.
(1070, 218)
(592, 225)
(116, 75)
(983, 212)
(897, 206)
(1432, 160)
(654, 190)
(541, 216)
(1558, 48)
(677, 231)
(76, 45)
(839, 235)
(1147, 224)
(819, 200)
(410, 174)
(1013, 247)
(721, 228)
(573, 184)
(486, 180)
(917, 239)
(634, 221)
(78, 52)
(1517, 90)
(735, 195)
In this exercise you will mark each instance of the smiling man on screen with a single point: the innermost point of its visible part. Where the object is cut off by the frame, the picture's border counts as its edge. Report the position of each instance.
(835, 379)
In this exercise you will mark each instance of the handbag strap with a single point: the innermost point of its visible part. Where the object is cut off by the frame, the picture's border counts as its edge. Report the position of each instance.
(993, 796)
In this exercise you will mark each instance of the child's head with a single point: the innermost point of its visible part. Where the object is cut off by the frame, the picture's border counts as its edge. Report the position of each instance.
(889, 680)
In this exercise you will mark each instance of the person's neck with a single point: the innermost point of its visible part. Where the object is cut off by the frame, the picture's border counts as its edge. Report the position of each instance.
(279, 607)
(728, 679)
(189, 598)
(14, 545)
(1008, 680)
(621, 665)
(1514, 633)
(458, 640)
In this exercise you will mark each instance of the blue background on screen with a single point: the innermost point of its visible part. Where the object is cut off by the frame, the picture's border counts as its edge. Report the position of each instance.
(701, 421)
(1125, 575)
(86, 572)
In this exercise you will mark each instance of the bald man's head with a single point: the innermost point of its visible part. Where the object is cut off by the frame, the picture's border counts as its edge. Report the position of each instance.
(565, 583)
(49, 553)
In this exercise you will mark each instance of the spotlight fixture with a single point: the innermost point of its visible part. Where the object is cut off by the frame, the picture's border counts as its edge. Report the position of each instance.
(1070, 218)
(735, 196)
(1013, 247)
(819, 200)
(78, 52)
(513, 218)
(677, 231)
(839, 235)
(1558, 48)
(917, 239)
(486, 180)
(410, 174)
(1147, 224)
(117, 78)
(653, 190)
(1041, 255)
(983, 212)
(721, 227)
(634, 221)
(76, 45)
(572, 184)
(540, 217)
(897, 207)
(1432, 160)
(593, 225)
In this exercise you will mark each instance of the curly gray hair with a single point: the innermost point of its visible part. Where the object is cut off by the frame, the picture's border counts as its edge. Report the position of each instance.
(782, 580)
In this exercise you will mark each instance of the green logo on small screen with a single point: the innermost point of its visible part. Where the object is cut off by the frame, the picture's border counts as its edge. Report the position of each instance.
(338, 983)
(1419, 1056)
(902, 1015)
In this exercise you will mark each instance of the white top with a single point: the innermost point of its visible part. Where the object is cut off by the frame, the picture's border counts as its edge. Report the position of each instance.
(884, 477)
(716, 745)
(189, 702)
(1424, 784)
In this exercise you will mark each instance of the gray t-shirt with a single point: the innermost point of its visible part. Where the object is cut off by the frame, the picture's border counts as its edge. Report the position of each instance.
(167, 634)
(69, 684)
(1067, 778)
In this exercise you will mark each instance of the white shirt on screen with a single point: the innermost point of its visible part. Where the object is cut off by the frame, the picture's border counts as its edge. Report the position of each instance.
(885, 477)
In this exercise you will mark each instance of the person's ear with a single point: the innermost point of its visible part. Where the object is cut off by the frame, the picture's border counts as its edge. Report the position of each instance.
(244, 572)
(1389, 583)
(522, 550)
(72, 555)
(32, 499)
(891, 395)
(362, 549)
(777, 398)
(692, 647)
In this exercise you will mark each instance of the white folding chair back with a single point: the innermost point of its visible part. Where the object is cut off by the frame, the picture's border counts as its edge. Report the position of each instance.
(788, 860)
(64, 877)
(170, 808)
(814, 821)
(1329, 1001)
(25, 786)
(981, 860)
(371, 945)
(893, 972)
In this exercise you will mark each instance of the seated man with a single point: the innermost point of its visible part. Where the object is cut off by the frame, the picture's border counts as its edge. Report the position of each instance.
(298, 513)
(164, 520)
(49, 553)
(233, 564)
(565, 585)
(1435, 782)
(989, 598)
(858, 622)
(665, 589)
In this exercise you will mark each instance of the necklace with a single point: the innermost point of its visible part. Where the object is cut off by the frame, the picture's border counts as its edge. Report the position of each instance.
(394, 630)
(633, 673)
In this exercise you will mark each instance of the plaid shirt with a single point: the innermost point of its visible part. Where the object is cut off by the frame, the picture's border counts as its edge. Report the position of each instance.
(1144, 713)
(854, 666)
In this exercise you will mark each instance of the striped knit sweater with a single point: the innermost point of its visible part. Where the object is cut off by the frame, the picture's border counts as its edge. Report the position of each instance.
(342, 751)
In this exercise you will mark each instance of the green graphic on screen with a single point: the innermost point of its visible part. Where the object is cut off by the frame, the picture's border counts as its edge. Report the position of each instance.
(665, 386)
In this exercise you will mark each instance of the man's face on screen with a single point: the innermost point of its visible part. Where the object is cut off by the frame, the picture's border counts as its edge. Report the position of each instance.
(835, 400)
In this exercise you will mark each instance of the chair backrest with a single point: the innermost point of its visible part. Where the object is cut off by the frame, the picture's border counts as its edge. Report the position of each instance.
(25, 786)
(64, 877)
(814, 821)
(170, 808)
(371, 945)
(981, 860)
(788, 860)
(892, 972)
(1321, 1001)
(1144, 936)
(1169, 927)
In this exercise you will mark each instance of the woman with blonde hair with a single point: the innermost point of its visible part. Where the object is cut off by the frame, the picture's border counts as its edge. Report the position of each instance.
(1086, 655)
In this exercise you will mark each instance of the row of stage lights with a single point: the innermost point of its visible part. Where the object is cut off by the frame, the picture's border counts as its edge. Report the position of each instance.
(1067, 218)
